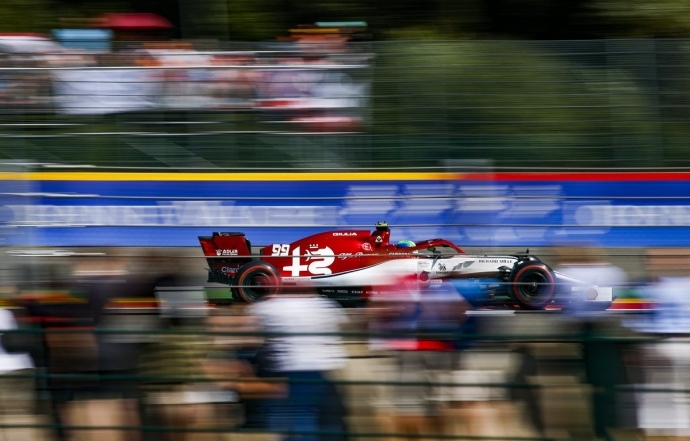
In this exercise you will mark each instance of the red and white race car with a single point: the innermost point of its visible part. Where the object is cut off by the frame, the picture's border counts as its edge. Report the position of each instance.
(351, 265)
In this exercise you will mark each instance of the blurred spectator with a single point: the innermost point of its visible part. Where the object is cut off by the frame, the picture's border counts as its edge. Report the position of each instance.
(5, 80)
(590, 264)
(183, 74)
(407, 311)
(604, 368)
(88, 395)
(17, 381)
(175, 393)
(232, 85)
(175, 399)
(30, 87)
(304, 349)
(665, 407)
(239, 366)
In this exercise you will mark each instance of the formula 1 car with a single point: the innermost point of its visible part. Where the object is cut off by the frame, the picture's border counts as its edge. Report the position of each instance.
(352, 265)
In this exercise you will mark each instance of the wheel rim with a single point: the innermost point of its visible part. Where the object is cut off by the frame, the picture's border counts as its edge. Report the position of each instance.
(258, 285)
(532, 285)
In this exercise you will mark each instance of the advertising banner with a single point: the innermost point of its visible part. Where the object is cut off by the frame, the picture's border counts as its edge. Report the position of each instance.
(100, 92)
(473, 210)
(301, 94)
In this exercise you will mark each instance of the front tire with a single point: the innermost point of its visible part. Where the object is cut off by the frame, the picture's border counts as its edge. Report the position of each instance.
(533, 286)
(255, 281)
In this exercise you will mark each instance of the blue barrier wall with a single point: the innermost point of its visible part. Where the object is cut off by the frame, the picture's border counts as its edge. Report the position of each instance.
(499, 209)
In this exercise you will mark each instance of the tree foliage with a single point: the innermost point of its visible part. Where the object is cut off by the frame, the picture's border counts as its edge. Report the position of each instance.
(497, 99)
(262, 19)
(643, 18)
(27, 16)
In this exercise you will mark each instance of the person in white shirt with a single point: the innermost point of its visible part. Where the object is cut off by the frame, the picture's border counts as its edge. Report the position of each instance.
(17, 372)
(304, 347)
(666, 361)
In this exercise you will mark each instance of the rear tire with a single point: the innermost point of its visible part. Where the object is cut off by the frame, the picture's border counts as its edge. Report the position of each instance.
(255, 281)
(533, 286)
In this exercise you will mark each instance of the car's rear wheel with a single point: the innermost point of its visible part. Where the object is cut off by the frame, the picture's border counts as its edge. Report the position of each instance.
(532, 286)
(256, 280)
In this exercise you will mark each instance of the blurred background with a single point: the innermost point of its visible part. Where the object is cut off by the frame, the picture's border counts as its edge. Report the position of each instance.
(524, 84)
(131, 128)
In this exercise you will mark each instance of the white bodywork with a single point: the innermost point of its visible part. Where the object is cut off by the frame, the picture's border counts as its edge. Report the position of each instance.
(433, 269)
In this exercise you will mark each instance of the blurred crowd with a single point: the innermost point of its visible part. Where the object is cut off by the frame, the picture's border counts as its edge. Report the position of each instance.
(134, 351)
(324, 82)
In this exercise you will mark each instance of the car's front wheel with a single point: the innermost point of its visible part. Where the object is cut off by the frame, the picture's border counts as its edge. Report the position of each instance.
(533, 286)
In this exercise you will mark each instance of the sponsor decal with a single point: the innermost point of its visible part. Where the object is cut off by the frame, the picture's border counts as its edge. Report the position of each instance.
(463, 265)
(526, 212)
(607, 215)
(495, 261)
(344, 256)
(174, 213)
(226, 253)
(318, 262)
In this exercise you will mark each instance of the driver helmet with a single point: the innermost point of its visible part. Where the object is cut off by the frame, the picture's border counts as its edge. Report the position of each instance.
(405, 244)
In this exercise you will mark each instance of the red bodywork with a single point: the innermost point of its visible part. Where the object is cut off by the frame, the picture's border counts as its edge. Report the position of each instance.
(339, 251)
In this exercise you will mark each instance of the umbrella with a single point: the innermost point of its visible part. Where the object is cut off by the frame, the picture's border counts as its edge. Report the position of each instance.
(133, 21)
